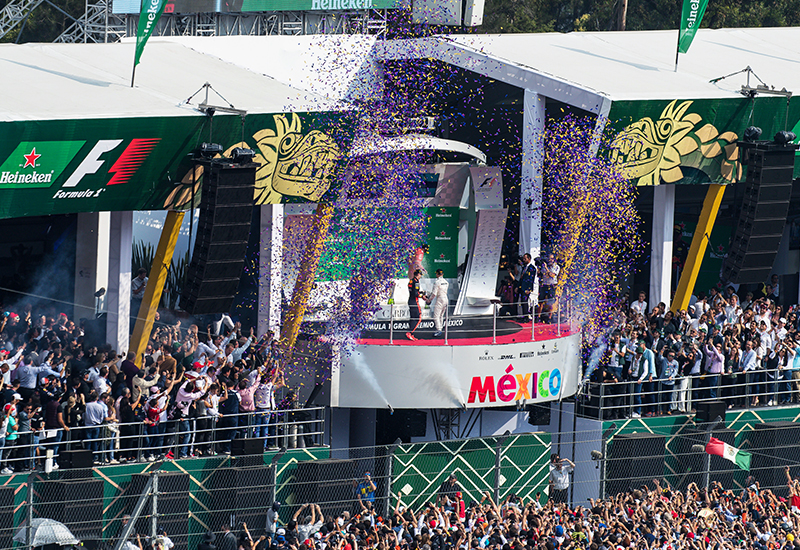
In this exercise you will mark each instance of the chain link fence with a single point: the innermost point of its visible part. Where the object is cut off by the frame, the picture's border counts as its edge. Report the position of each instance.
(184, 499)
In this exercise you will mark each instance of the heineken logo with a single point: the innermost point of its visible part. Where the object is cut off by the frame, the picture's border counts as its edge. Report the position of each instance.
(41, 164)
(30, 158)
(341, 4)
(38, 164)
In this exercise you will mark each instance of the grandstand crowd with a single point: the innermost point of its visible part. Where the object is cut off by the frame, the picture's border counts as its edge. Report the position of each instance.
(744, 350)
(196, 391)
(653, 516)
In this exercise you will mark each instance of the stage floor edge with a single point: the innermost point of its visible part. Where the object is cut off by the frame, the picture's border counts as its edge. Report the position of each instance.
(543, 332)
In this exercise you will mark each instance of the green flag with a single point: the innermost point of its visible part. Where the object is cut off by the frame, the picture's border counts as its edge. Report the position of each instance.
(691, 16)
(148, 18)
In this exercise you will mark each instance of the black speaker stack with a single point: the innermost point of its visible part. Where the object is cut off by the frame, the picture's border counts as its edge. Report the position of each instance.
(634, 460)
(709, 411)
(539, 414)
(226, 210)
(329, 483)
(773, 446)
(767, 191)
(173, 505)
(241, 495)
(247, 446)
(76, 503)
(76, 464)
(6, 517)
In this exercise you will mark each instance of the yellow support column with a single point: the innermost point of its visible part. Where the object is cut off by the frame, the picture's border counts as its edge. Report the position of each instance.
(305, 279)
(155, 284)
(698, 248)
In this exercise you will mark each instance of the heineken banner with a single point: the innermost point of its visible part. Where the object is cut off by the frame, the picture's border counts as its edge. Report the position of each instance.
(235, 6)
(342, 255)
(146, 163)
(692, 141)
(691, 16)
(148, 19)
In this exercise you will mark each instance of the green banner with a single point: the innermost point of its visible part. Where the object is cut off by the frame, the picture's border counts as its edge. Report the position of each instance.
(442, 242)
(346, 248)
(691, 16)
(148, 19)
(692, 141)
(146, 163)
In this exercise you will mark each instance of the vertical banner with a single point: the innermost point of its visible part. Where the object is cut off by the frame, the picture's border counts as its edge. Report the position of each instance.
(480, 280)
(487, 182)
(691, 16)
(148, 19)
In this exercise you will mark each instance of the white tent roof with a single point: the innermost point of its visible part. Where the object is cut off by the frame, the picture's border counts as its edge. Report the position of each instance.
(69, 81)
(585, 68)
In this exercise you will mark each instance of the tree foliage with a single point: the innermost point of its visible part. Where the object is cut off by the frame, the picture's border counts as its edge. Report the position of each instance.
(601, 15)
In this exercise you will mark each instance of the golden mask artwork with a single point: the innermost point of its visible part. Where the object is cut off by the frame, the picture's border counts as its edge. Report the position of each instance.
(652, 152)
(292, 164)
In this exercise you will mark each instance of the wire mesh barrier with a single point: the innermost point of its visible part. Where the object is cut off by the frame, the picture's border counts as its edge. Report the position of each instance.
(182, 500)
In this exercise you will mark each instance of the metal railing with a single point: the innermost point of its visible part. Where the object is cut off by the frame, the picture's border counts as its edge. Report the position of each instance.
(738, 390)
(182, 437)
(557, 313)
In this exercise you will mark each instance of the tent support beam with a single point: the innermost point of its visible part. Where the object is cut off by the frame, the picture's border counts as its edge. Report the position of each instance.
(698, 248)
(155, 284)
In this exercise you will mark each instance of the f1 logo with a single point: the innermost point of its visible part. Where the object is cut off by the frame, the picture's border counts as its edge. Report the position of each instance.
(126, 165)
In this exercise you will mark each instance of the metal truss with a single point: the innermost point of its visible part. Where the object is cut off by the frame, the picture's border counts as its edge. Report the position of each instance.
(14, 13)
(287, 23)
(98, 25)
(454, 423)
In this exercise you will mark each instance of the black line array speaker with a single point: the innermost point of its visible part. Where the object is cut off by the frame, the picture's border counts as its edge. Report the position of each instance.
(768, 189)
(774, 446)
(708, 411)
(223, 229)
(242, 495)
(173, 505)
(634, 460)
(539, 414)
(6, 517)
(248, 446)
(328, 482)
(78, 504)
(691, 466)
(76, 464)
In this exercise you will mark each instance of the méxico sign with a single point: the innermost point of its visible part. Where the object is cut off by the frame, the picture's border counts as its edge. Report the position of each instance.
(420, 377)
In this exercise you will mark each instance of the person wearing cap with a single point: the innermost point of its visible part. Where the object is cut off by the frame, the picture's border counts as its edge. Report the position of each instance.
(273, 517)
(414, 294)
(28, 374)
(209, 538)
(447, 491)
(643, 372)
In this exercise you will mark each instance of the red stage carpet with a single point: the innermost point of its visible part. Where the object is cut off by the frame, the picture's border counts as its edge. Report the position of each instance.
(543, 332)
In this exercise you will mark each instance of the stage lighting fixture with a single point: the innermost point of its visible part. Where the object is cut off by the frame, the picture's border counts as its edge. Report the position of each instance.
(752, 133)
(210, 150)
(240, 155)
(784, 138)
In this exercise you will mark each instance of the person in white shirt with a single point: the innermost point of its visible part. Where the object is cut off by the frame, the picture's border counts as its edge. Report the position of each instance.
(439, 293)
(559, 477)
(640, 305)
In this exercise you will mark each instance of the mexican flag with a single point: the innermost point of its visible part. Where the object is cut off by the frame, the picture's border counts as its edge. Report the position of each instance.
(720, 448)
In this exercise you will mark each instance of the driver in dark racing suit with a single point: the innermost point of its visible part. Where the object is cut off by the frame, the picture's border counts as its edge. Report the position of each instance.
(414, 294)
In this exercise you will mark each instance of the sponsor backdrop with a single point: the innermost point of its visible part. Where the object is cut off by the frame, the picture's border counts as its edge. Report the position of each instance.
(446, 377)
(345, 250)
(145, 163)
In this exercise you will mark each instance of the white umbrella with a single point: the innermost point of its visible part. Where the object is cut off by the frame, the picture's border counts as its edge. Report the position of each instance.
(46, 531)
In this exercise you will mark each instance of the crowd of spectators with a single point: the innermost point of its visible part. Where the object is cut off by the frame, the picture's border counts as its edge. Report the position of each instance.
(204, 387)
(744, 350)
(653, 516)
